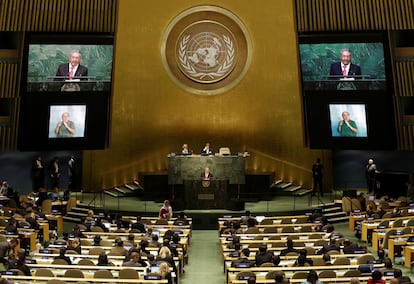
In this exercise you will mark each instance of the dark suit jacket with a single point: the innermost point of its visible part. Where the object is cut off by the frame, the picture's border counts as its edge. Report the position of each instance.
(263, 257)
(202, 176)
(63, 70)
(138, 226)
(336, 70)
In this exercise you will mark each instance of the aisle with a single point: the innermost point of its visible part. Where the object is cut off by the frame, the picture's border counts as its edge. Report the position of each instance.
(205, 263)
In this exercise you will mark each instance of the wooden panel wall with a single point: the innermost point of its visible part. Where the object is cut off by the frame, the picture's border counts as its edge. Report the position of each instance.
(367, 15)
(352, 15)
(58, 15)
(43, 16)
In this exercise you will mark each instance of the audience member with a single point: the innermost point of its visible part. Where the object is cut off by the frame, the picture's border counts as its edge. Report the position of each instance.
(62, 255)
(263, 256)
(243, 258)
(331, 246)
(154, 241)
(312, 278)
(165, 255)
(138, 226)
(166, 211)
(326, 259)
(400, 278)
(247, 215)
(135, 260)
(279, 276)
(7, 251)
(252, 227)
(387, 266)
(20, 264)
(376, 278)
(381, 255)
(119, 248)
(103, 260)
(354, 280)
(75, 245)
(289, 247)
(97, 240)
(349, 247)
(164, 271)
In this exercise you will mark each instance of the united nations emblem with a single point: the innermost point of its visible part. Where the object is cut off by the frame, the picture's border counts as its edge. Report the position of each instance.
(206, 57)
(206, 50)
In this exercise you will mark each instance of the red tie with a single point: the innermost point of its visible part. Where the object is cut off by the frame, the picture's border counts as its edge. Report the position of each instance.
(344, 71)
(71, 73)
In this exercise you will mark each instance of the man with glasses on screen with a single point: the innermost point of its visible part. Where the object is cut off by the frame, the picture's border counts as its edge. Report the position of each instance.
(346, 126)
(73, 69)
(65, 128)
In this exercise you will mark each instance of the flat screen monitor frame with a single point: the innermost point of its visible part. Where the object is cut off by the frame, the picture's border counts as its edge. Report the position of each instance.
(35, 122)
(319, 51)
(379, 121)
(46, 57)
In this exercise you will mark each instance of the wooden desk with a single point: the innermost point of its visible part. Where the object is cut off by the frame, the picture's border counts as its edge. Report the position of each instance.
(59, 221)
(408, 252)
(362, 279)
(289, 271)
(189, 167)
(72, 279)
(353, 218)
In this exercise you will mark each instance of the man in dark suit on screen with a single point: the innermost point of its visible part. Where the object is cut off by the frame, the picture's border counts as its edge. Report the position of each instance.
(344, 68)
(73, 69)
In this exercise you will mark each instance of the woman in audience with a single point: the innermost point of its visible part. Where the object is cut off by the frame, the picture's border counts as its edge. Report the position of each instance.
(165, 255)
(164, 271)
(103, 260)
(166, 211)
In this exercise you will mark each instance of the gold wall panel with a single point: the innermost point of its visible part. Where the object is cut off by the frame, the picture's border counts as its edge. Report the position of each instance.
(152, 116)
(58, 15)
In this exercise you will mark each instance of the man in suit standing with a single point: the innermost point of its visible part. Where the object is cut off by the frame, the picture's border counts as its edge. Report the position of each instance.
(73, 69)
(317, 176)
(38, 174)
(206, 175)
(344, 68)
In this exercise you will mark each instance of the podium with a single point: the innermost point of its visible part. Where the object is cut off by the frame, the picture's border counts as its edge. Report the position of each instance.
(182, 168)
(206, 194)
(88, 85)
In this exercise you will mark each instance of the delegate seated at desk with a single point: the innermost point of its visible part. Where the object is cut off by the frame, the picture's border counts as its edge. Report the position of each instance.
(206, 175)
(207, 150)
(185, 150)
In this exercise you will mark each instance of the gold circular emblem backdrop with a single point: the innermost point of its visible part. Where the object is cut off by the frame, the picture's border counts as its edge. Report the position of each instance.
(206, 50)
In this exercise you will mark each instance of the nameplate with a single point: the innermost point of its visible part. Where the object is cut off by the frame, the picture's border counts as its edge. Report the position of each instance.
(206, 196)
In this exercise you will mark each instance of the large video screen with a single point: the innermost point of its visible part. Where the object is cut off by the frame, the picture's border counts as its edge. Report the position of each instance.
(348, 120)
(362, 121)
(67, 63)
(67, 121)
(343, 62)
(74, 121)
